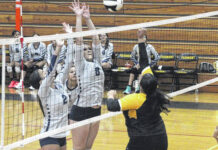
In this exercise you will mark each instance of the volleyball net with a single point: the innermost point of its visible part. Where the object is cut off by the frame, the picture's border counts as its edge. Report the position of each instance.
(182, 35)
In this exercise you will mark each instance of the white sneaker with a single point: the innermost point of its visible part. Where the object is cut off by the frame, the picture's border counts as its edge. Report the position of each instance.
(31, 88)
(19, 86)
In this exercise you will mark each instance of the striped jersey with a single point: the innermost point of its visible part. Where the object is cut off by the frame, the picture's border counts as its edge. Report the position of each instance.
(106, 54)
(54, 101)
(15, 52)
(90, 77)
(50, 51)
(38, 54)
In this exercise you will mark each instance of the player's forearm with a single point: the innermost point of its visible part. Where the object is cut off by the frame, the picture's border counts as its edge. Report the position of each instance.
(91, 26)
(79, 40)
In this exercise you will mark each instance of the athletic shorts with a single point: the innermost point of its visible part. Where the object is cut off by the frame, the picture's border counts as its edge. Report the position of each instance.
(154, 142)
(81, 113)
(49, 140)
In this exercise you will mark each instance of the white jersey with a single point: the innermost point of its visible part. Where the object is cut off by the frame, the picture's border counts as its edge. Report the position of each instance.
(50, 51)
(15, 52)
(90, 77)
(106, 54)
(38, 54)
(55, 101)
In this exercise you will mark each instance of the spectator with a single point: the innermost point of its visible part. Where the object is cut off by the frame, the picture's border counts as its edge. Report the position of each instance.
(107, 49)
(15, 60)
(50, 50)
(36, 59)
(141, 57)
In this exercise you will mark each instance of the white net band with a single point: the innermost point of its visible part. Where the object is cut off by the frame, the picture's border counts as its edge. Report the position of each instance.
(98, 118)
(108, 30)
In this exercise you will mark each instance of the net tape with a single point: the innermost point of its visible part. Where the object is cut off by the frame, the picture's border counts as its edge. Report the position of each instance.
(97, 118)
(108, 30)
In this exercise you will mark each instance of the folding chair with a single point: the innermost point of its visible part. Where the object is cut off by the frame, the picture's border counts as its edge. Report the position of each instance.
(187, 68)
(165, 68)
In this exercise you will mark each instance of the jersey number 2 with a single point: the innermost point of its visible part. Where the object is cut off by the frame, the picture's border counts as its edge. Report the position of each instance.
(64, 99)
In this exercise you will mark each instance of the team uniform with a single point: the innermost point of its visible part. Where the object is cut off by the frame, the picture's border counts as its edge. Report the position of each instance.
(145, 127)
(50, 51)
(15, 56)
(55, 103)
(141, 54)
(106, 54)
(15, 52)
(90, 80)
(38, 54)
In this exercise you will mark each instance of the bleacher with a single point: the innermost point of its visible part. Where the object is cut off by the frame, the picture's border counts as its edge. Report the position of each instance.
(196, 36)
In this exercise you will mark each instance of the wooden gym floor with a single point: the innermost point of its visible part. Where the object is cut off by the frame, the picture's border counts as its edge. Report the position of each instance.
(190, 124)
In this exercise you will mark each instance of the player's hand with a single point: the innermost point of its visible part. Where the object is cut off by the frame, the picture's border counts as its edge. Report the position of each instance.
(60, 43)
(67, 28)
(76, 8)
(86, 13)
(112, 94)
(215, 134)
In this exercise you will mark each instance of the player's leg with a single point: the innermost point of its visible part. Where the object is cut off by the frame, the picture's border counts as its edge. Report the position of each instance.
(79, 136)
(128, 87)
(94, 127)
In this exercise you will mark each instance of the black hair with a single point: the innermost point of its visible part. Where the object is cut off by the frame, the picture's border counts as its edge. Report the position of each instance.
(35, 79)
(107, 41)
(155, 97)
(14, 32)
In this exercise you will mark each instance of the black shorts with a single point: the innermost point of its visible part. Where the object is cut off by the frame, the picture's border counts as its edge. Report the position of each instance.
(49, 140)
(155, 142)
(81, 113)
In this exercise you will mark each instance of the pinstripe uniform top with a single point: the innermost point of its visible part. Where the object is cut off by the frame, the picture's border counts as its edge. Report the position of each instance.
(38, 54)
(90, 77)
(15, 52)
(54, 101)
(106, 54)
(50, 51)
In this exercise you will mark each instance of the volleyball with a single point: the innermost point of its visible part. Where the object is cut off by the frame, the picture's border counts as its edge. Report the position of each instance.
(113, 5)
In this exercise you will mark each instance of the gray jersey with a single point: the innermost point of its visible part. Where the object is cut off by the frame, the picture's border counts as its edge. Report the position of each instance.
(15, 52)
(50, 51)
(90, 77)
(150, 51)
(106, 54)
(55, 102)
(38, 54)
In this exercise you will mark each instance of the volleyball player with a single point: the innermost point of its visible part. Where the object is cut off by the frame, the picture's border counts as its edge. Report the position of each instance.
(15, 60)
(142, 110)
(141, 57)
(37, 58)
(54, 98)
(107, 50)
(90, 78)
(50, 49)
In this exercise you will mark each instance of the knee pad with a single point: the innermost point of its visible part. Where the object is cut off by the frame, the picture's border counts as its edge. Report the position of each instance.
(9, 69)
(17, 69)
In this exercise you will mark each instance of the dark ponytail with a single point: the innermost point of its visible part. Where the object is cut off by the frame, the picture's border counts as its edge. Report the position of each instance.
(155, 97)
(35, 79)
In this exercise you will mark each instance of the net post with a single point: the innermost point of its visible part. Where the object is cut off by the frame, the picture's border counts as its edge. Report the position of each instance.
(3, 96)
(18, 14)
